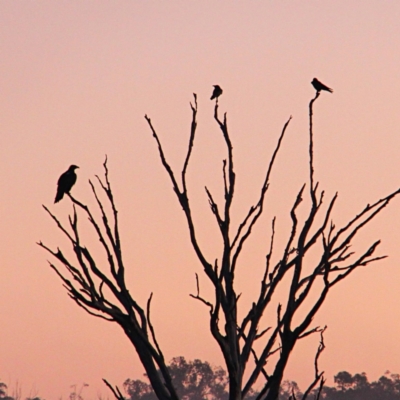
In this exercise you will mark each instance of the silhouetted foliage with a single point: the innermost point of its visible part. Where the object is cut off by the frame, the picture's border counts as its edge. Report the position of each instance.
(3, 392)
(193, 380)
(357, 387)
(289, 389)
(197, 380)
(3, 389)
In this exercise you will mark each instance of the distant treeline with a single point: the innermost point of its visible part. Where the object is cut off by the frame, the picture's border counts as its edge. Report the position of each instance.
(198, 380)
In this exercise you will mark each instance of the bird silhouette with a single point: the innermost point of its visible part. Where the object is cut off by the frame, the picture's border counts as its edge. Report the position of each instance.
(65, 182)
(320, 86)
(216, 93)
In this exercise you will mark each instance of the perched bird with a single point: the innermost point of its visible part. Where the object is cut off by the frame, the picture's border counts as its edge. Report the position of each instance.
(216, 93)
(320, 86)
(65, 182)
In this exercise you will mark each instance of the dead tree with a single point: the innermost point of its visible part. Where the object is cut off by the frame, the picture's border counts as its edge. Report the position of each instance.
(235, 338)
(104, 293)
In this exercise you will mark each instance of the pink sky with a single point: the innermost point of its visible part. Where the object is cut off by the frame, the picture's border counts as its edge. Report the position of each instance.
(77, 78)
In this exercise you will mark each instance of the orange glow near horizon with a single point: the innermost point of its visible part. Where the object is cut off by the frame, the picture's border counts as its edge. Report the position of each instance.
(77, 79)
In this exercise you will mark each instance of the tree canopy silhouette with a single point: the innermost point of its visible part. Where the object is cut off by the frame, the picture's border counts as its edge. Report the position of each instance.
(197, 380)
(193, 380)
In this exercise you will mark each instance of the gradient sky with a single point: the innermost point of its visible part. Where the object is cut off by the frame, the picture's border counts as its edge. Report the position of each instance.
(77, 78)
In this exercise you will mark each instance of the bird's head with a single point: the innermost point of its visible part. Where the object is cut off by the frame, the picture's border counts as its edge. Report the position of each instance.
(314, 80)
(73, 167)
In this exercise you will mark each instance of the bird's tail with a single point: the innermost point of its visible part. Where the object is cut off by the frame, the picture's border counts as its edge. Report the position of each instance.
(59, 196)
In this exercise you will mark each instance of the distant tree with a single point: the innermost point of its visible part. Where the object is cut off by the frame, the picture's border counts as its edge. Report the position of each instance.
(344, 380)
(3, 392)
(197, 380)
(289, 390)
(76, 392)
(3, 388)
(315, 258)
(388, 384)
(193, 380)
(137, 389)
(357, 387)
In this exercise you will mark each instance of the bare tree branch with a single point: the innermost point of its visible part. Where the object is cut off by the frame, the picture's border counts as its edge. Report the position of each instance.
(319, 376)
(198, 297)
(116, 392)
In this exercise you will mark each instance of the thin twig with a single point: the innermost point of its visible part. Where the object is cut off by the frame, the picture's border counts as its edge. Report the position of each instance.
(116, 392)
(311, 151)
